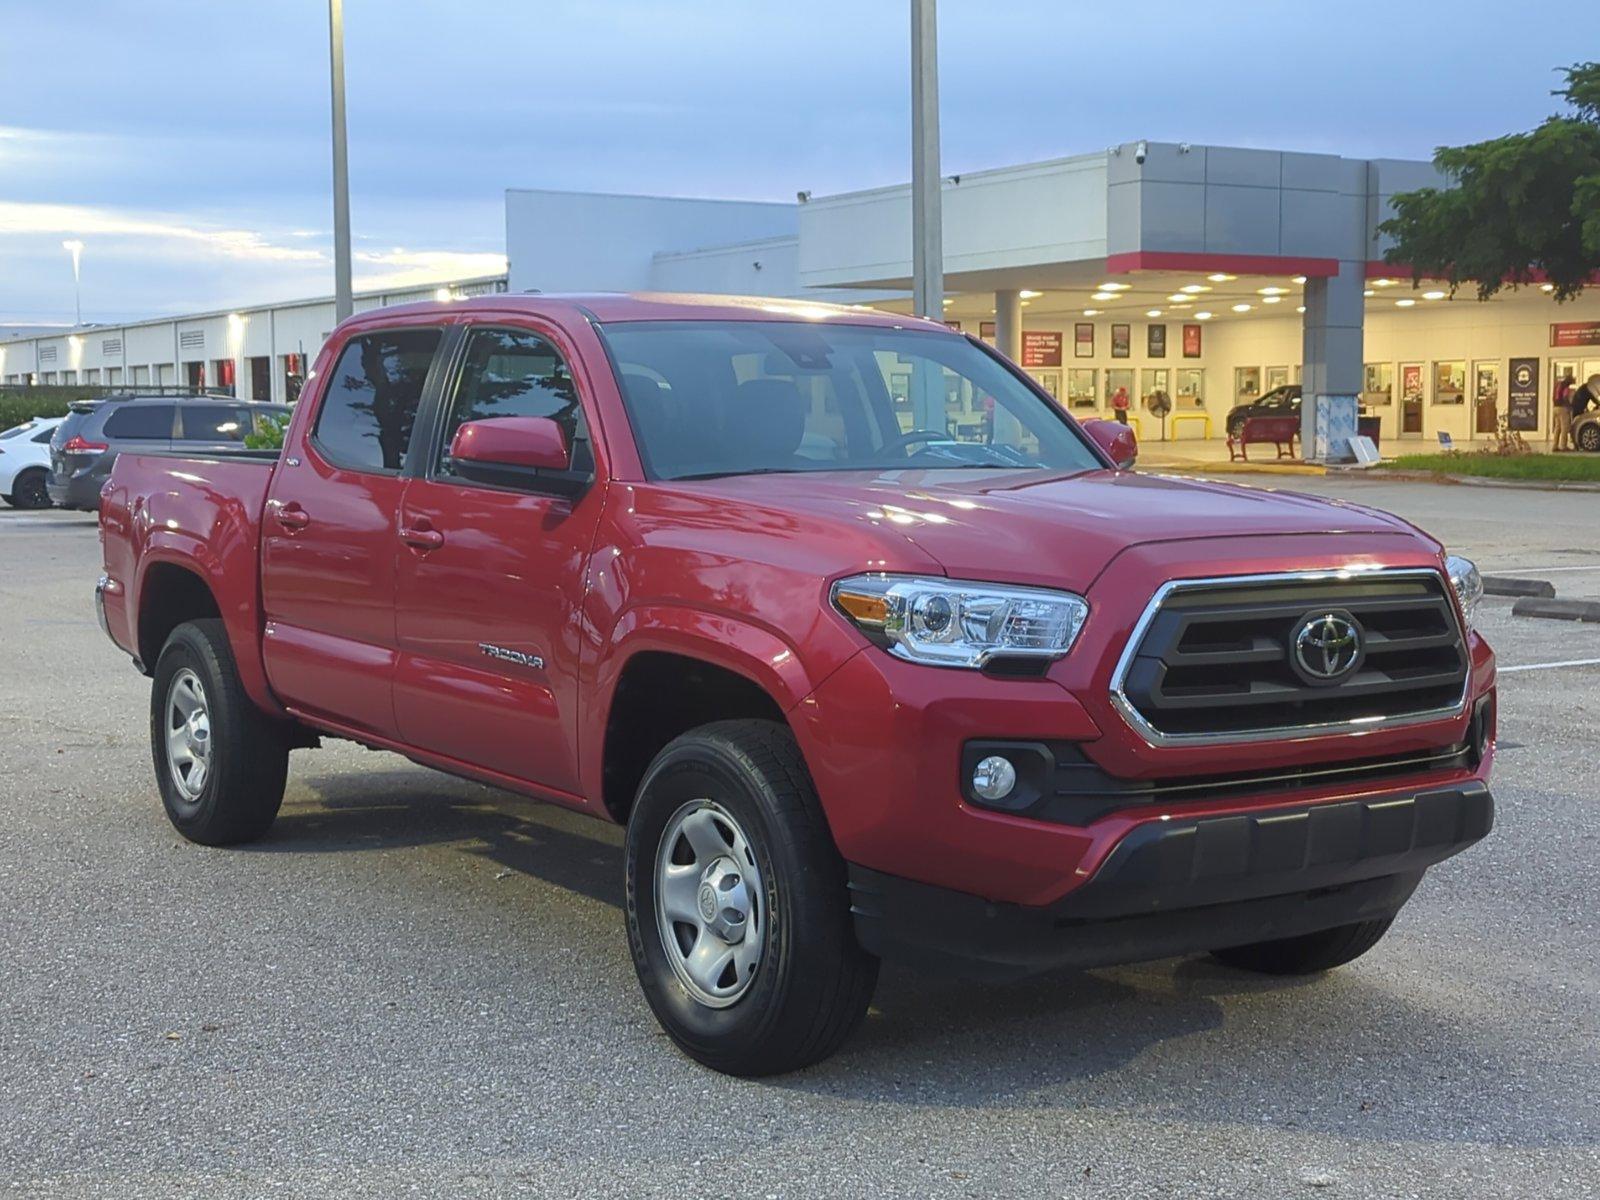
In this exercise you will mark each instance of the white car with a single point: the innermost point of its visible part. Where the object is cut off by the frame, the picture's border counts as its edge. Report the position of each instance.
(25, 462)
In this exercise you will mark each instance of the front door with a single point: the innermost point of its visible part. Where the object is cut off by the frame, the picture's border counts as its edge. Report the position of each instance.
(490, 578)
(1411, 399)
(329, 540)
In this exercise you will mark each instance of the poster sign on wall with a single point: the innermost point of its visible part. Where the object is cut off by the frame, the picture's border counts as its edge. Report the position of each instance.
(1191, 341)
(1121, 336)
(1083, 340)
(1575, 333)
(986, 331)
(1522, 412)
(1041, 348)
(1155, 341)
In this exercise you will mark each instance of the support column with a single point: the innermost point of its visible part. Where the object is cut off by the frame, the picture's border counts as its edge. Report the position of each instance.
(1332, 354)
(927, 227)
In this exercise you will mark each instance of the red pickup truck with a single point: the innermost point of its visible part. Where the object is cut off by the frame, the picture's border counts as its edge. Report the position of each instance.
(873, 649)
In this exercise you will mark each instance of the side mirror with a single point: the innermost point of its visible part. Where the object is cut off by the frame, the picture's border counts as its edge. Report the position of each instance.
(527, 453)
(1116, 439)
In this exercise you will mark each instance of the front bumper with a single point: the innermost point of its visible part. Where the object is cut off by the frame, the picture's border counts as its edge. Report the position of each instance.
(1174, 887)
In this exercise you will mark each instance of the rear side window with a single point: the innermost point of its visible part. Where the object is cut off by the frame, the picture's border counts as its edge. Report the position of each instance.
(214, 423)
(42, 436)
(16, 430)
(371, 399)
(140, 421)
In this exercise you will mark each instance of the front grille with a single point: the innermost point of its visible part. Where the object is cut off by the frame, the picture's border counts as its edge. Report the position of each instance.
(1215, 660)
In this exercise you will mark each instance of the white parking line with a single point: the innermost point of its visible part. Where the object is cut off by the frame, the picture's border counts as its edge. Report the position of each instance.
(1571, 662)
(1532, 570)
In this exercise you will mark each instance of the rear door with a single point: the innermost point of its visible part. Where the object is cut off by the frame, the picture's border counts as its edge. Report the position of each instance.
(212, 428)
(328, 534)
(487, 617)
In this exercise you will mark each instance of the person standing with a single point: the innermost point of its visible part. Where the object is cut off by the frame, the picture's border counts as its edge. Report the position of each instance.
(1119, 404)
(1562, 399)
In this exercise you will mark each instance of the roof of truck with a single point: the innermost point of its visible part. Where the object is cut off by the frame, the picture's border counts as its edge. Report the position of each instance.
(663, 306)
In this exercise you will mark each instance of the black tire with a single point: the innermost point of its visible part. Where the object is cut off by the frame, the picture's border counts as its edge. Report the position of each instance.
(1236, 427)
(1309, 953)
(1589, 437)
(810, 988)
(27, 490)
(248, 758)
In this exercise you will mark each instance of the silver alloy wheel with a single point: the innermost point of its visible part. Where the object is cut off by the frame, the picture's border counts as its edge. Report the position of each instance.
(710, 906)
(188, 726)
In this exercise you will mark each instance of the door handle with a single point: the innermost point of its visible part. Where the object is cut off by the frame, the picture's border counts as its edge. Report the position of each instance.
(422, 537)
(290, 516)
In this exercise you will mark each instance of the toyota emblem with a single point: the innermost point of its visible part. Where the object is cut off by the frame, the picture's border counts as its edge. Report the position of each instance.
(1327, 647)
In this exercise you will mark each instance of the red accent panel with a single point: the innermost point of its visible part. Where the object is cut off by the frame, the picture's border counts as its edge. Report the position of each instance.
(1231, 264)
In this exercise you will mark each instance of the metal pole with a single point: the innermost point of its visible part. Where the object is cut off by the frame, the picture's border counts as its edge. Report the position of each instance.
(74, 247)
(343, 303)
(927, 236)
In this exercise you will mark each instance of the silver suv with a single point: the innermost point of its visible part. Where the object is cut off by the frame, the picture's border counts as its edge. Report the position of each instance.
(96, 431)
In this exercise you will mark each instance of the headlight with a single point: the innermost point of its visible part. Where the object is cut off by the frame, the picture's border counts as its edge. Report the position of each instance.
(1468, 583)
(950, 623)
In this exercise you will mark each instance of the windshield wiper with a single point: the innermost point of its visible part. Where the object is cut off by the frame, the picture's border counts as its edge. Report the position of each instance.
(740, 471)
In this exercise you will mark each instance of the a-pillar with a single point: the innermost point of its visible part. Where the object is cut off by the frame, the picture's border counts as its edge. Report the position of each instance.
(1007, 429)
(1331, 379)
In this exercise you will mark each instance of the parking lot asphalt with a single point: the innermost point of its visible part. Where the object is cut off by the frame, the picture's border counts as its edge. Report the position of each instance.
(419, 986)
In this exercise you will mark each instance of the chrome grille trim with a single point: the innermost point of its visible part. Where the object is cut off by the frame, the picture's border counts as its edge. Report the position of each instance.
(1155, 737)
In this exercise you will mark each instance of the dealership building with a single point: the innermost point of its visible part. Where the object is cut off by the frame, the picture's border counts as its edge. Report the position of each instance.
(1194, 277)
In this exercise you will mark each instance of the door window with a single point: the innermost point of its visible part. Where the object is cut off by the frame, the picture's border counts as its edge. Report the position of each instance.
(148, 421)
(213, 423)
(514, 373)
(372, 397)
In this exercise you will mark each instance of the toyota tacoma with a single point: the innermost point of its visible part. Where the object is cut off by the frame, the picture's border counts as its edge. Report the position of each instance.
(874, 650)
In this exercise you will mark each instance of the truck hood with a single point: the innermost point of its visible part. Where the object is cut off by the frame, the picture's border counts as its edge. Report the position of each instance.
(1059, 529)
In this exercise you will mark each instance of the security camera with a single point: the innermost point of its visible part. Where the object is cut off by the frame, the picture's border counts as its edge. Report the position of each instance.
(803, 197)
(1140, 151)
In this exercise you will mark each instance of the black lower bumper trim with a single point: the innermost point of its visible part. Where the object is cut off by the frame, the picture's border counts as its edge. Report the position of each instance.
(1185, 886)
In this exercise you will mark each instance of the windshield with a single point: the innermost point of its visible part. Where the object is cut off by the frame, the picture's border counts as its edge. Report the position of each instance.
(710, 398)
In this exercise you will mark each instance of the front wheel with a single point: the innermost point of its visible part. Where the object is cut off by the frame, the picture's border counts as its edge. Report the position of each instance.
(737, 909)
(220, 763)
(1589, 437)
(1309, 953)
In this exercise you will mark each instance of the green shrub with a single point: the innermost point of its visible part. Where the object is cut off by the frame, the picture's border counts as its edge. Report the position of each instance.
(19, 404)
(269, 436)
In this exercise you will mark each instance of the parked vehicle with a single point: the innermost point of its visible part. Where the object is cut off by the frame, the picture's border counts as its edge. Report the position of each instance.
(95, 432)
(25, 461)
(968, 694)
(1586, 431)
(1279, 402)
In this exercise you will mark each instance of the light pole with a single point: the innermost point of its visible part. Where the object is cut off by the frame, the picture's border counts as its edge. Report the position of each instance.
(927, 236)
(343, 303)
(75, 248)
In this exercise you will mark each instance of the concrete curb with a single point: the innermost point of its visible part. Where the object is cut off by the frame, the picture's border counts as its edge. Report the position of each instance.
(1503, 585)
(1532, 485)
(1558, 610)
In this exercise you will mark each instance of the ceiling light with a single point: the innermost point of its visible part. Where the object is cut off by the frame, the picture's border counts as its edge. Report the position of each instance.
(948, 303)
(1301, 309)
(1547, 287)
(1271, 299)
(1202, 316)
(1300, 279)
(1104, 296)
(1115, 287)
(1433, 295)
(1273, 291)
(1219, 277)
(1369, 292)
(1154, 312)
(1024, 303)
(1029, 294)
(1091, 312)
(1179, 297)
(1194, 288)
(1406, 303)
(1241, 308)
(1383, 282)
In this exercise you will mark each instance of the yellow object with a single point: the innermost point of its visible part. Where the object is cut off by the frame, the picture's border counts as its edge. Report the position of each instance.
(1203, 418)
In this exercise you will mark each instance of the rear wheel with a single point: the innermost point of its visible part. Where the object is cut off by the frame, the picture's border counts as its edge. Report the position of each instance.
(220, 763)
(737, 909)
(1589, 437)
(27, 490)
(1309, 953)
(1236, 427)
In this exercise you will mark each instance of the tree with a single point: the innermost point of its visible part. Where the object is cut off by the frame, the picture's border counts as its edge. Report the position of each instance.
(1524, 207)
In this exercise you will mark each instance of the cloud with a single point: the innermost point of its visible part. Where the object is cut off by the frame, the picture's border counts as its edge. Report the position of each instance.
(87, 221)
(399, 267)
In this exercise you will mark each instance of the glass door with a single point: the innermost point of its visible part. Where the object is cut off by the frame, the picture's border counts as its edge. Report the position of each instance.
(1411, 399)
(1081, 387)
(1486, 397)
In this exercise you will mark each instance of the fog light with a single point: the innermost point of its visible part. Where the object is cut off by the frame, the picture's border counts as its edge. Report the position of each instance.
(993, 778)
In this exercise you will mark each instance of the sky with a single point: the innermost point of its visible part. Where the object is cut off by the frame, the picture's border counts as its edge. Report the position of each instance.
(185, 143)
